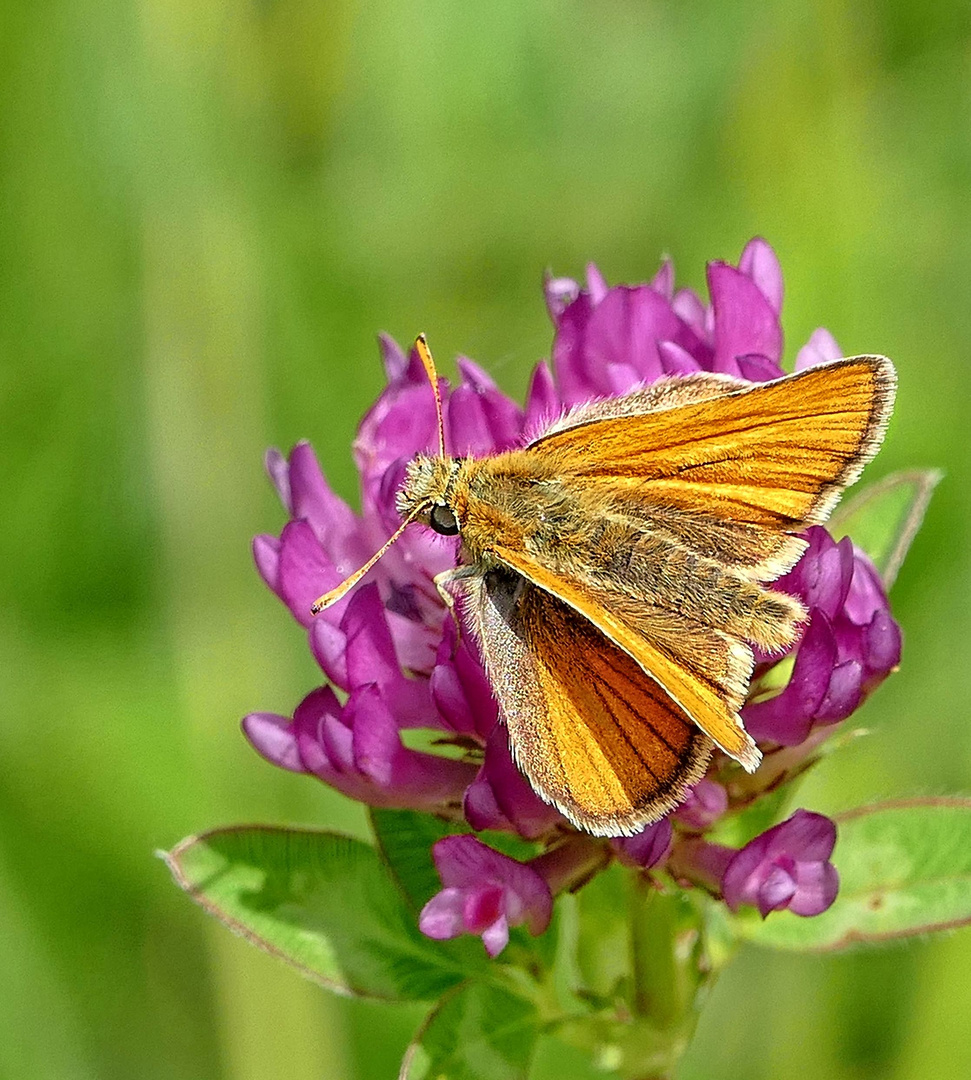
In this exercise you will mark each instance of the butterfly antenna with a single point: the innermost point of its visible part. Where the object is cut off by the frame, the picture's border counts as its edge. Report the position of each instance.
(329, 598)
(429, 364)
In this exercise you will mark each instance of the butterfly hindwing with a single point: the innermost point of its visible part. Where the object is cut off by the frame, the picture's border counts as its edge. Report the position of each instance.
(730, 468)
(605, 745)
(704, 697)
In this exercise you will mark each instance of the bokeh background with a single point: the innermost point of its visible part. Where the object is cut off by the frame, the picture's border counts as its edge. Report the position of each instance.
(208, 209)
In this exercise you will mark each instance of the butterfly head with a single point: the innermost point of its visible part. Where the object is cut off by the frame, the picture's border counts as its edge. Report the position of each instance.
(425, 495)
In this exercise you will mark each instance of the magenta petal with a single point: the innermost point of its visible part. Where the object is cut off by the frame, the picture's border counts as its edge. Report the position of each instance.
(626, 326)
(745, 321)
(273, 738)
(520, 806)
(460, 689)
(646, 848)
(450, 700)
(806, 836)
(817, 886)
(775, 891)
(481, 420)
(690, 309)
(663, 280)
(787, 718)
(542, 402)
(756, 368)
(703, 806)
(464, 861)
(761, 264)
(279, 473)
(441, 917)
(675, 360)
(753, 876)
(376, 741)
(393, 356)
(401, 423)
(597, 285)
(576, 369)
(496, 937)
(506, 413)
(369, 651)
(305, 572)
(331, 518)
(266, 555)
(559, 292)
(844, 693)
(336, 740)
(866, 595)
(820, 348)
(481, 908)
(822, 577)
(480, 807)
(328, 644)
(310, 719)
(882, 645)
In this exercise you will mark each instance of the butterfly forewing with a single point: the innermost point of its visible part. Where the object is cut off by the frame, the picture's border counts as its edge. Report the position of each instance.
(731, 468)
(608, 747)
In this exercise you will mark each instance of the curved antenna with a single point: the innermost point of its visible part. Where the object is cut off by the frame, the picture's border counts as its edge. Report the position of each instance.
(348, 583)
(335, 594)
(429, 365)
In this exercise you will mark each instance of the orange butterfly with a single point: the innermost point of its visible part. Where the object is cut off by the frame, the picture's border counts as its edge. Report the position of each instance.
(613, 570)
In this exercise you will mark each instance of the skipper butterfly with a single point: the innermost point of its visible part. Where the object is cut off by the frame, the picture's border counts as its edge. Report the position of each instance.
(614, 570)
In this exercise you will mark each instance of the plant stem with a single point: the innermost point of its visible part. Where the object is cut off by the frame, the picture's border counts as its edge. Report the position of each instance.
(655, 992)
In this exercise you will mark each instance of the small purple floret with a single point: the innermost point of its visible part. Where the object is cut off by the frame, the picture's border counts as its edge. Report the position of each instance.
(851, 645)
(647, 848)
(786, 867)
(485, 893)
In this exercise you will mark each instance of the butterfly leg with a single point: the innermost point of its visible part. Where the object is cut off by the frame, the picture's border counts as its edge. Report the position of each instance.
(447, 578)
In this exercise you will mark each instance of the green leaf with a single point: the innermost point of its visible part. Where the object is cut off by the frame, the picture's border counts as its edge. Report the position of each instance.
(322, 902)
(476, 1032)
(905, 869)
(405, 840)
(883, 518)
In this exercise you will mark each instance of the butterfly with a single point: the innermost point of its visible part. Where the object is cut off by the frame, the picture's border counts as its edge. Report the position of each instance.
(615, 569)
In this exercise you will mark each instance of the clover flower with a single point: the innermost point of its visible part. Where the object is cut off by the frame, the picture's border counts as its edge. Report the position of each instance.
(391, 658)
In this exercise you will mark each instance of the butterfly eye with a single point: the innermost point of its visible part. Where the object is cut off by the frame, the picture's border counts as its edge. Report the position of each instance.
(442, 520)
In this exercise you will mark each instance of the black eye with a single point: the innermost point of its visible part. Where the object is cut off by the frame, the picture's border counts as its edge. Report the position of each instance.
(442, 520)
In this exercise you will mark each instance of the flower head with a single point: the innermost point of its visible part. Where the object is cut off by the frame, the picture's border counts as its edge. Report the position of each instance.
(392, 658)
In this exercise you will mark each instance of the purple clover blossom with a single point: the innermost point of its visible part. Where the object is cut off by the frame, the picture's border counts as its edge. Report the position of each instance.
(647, 848)
(392, 659)
(704, 804)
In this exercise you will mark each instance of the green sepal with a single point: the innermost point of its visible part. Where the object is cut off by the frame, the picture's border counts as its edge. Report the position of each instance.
(884, 517)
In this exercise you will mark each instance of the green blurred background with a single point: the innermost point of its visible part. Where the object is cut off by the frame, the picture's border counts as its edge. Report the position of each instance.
(209, 208)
